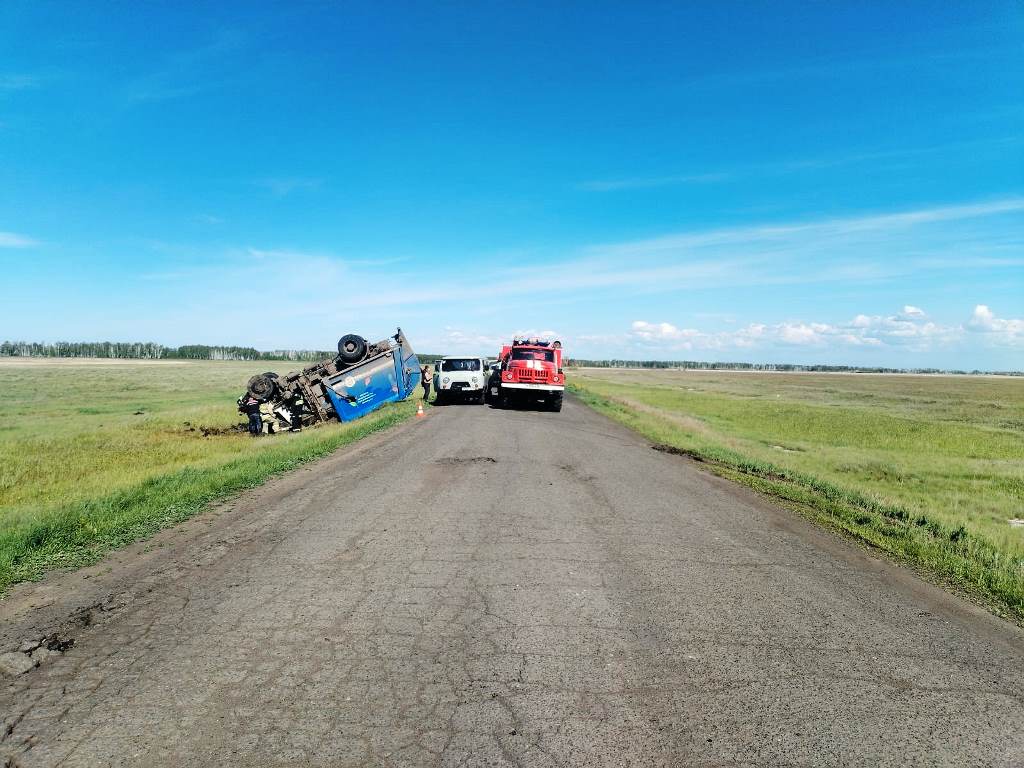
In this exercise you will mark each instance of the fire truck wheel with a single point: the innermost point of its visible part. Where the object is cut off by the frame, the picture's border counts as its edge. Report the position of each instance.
(351, 348)
(261, 388)
(556, 403)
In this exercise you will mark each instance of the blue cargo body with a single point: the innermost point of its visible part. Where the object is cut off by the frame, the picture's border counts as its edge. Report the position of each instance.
(359, 379)
(385, 378)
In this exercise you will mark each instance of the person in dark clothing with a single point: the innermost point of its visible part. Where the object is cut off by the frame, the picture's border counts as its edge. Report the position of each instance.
(295, 406)
(250, 407)
(425, 380)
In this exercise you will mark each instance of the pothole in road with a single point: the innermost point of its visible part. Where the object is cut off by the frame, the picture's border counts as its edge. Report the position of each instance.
(450, 460)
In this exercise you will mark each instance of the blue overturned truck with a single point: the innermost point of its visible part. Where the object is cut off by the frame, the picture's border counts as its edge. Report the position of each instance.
(359, 379)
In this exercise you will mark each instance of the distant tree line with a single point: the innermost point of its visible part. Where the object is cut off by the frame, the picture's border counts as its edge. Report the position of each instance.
(699, 365)
(151, 351)
(148, 350)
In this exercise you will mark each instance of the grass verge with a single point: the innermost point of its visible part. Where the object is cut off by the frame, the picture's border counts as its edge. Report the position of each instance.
(78, 533)
(951, 555)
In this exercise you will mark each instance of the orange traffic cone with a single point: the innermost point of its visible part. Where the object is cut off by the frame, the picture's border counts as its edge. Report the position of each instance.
(419, 410)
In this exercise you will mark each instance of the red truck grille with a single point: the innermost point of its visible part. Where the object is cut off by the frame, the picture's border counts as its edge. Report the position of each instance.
(531, 374)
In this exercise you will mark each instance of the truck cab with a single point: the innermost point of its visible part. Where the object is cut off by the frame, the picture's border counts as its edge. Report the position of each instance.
(530, 370)
(457, 377)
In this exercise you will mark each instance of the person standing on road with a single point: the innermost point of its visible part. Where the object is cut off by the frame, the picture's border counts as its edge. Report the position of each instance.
(250, 406)
(425, 379)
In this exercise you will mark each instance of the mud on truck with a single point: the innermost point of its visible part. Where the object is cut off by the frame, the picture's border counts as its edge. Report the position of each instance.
(359, 379)
(529, 371)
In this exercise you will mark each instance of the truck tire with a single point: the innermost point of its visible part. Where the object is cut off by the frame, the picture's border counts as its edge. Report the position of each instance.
(351, 348)
(493, 382)
(271, 375)
(261, 388)
(556, 403)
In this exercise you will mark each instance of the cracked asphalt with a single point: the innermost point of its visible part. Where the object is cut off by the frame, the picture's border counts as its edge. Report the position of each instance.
(488, 588)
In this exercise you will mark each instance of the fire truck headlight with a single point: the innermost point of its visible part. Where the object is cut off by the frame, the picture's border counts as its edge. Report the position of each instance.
(475, 380)
(445, 380)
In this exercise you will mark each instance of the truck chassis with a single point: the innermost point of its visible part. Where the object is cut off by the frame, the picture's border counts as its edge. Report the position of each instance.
(359, 379)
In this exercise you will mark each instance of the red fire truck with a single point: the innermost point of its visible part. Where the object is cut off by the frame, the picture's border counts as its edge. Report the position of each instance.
(528, 371)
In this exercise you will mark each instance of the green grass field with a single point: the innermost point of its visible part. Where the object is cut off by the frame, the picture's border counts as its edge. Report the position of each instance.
(928, 468)
(95, 454)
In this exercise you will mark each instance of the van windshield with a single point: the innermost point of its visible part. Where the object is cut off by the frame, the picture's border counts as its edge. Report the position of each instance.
(469, 364)
(547, 355)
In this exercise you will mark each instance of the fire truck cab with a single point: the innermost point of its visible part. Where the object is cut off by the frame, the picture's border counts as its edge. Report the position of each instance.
(529, 371)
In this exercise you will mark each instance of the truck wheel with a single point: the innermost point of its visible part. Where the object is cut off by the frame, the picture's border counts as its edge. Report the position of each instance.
(261, 388)
(556, 403)
(351, 348)
(271, 375)
(483, 397)
(438, 398)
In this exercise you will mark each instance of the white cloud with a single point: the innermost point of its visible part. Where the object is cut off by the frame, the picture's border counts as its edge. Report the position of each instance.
(767, 256)
(281, 187)
(801, 333)
(901, 154)
(855, 252)
(908, 329)
(613, 185)
(666, 335)
(531, 333)
(819, 234)
(661, 331)
(18, 82)
(189, 72)
(13, 240)
(984, 320)
(284, 254)
(457, 341)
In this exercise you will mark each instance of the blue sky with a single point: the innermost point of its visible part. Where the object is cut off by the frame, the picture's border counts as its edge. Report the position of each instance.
(815, 182)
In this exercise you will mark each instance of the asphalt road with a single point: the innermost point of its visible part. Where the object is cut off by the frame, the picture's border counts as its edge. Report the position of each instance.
(507, 588)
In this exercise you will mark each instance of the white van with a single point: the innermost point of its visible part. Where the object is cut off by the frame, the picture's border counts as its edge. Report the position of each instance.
(463, 378)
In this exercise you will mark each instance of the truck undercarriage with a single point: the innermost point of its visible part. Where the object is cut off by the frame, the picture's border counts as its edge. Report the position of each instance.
(359, 379)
